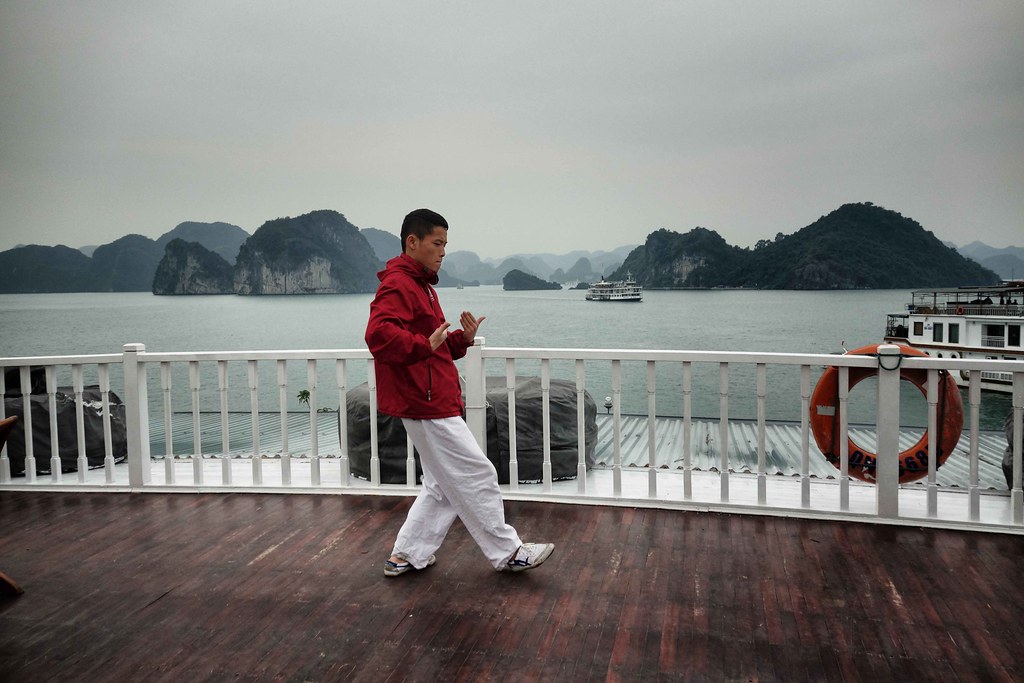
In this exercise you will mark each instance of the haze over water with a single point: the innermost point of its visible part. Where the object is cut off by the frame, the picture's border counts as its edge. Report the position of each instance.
(729, 320)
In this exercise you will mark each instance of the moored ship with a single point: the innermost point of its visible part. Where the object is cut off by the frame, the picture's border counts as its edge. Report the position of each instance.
(965, 322)
(621, 290)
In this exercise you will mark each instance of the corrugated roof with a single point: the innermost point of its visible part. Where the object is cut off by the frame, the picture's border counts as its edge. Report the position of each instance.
(782, 449)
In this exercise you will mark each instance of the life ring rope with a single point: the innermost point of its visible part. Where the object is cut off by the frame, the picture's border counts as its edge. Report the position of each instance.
(825, 414)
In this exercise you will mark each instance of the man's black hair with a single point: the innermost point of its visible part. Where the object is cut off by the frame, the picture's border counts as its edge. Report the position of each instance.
(421, 223)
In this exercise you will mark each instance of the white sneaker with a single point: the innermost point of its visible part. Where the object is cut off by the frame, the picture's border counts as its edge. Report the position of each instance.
(399, 568)
(529, 556)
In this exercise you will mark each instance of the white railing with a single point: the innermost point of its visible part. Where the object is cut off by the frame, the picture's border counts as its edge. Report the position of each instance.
(154, 403)
(98, 369)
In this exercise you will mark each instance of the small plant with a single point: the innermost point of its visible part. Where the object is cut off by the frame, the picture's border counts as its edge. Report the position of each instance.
(304, 396)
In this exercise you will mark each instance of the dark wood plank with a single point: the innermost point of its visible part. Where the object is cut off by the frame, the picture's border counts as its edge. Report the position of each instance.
(289, 587)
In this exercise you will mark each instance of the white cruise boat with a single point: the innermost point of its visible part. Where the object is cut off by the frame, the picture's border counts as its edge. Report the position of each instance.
(965, 322)
(622, 290)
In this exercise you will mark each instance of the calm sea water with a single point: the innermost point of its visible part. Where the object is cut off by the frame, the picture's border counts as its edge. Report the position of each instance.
(735, 320)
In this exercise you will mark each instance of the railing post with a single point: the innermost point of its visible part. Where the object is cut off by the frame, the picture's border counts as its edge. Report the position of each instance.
(5, 461)
(77, 386)
(225, 426)
(314, 429)
(341, 375)
(165, 388)
(197, 432)
(476, 393)
(723, 430)
(136, 402)
(513, 459)
(24, 374)
(687, 424)
(652, 468)
(51, 393)
(252, 371)
(887, 467)
(973, 489)
(617, 428)
(581, 428)
(933, 428)
(1016, 494)
(371, 385)
(762, 395)
(805, 436)
(844, 439)
(545, 410)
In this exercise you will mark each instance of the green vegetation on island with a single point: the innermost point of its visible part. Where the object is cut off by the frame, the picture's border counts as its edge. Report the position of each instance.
(518, 281)
(857, 246)
(128, 264)
(191, 268)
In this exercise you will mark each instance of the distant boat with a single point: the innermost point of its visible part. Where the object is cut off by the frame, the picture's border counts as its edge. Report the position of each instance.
(621, 290)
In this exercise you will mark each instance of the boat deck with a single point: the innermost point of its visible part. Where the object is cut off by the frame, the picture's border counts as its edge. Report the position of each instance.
(189, 586)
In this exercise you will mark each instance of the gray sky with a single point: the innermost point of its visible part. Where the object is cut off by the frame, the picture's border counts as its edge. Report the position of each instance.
(532, 126)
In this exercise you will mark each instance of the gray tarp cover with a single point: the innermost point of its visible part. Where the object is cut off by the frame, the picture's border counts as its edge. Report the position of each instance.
(529, 432)
(1008, 453)
(67, 429)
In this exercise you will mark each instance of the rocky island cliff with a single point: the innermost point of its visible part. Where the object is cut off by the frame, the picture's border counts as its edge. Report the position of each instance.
(191, 268)
(317, 253)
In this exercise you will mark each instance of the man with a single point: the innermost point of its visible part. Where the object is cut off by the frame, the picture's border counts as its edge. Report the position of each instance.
(418, 382)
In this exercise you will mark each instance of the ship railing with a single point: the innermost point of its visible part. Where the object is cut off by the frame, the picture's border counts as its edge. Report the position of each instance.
(156, 403)
(993, 342)
(972, 309)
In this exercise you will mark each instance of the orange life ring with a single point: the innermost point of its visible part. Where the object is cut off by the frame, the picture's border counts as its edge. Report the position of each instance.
(959, 310)
(825, 415)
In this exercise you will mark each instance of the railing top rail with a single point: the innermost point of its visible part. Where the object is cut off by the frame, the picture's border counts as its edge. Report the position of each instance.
(293, 354)
(99, 359)
(522, 353)
(679, 355)
(993, 365)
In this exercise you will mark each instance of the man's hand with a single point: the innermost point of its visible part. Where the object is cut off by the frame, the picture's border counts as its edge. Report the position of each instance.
(439, 335)
(470, 325)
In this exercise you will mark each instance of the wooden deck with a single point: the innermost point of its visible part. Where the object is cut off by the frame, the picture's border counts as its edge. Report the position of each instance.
(197, 587)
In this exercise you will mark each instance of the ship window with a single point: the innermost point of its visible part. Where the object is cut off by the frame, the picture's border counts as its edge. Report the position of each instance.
(993, 335)
(937, 332)
(1013, 335)
(918, 328)
(954, 333)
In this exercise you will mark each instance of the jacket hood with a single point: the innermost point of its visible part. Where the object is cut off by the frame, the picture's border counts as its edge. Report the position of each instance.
(404, 263)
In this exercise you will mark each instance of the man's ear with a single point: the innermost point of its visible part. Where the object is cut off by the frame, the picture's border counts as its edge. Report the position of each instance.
(410, 242)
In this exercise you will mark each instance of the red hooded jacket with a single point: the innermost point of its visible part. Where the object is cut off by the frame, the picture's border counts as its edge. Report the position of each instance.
(413, 380)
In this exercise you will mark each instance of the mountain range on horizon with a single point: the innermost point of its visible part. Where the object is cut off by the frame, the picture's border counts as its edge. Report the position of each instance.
(131, 262)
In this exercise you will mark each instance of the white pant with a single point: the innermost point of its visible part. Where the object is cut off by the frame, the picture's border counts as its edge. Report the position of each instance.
(458, 480)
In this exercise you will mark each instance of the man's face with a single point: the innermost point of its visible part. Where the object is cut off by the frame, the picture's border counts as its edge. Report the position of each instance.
(429, 251)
